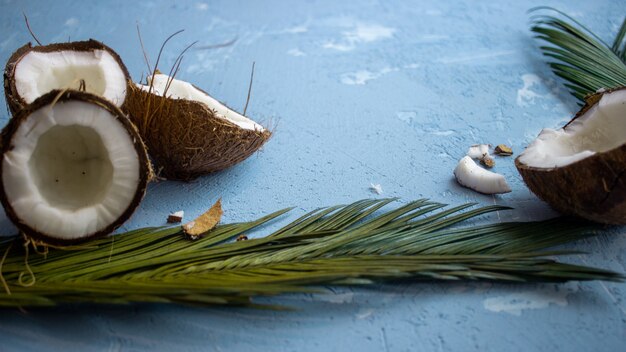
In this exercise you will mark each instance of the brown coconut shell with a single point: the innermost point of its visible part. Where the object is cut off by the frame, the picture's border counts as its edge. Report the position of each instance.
(593, 188)
(145, 171)
(14, 101)
(185, 138)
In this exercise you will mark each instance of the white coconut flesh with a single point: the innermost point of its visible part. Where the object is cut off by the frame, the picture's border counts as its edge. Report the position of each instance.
(470, 175)
(600, 129)
(40, 72)
(478, 151)
(183, 90)
(73, 170)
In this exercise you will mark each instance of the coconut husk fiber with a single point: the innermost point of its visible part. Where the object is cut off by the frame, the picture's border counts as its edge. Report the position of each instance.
(185, 138)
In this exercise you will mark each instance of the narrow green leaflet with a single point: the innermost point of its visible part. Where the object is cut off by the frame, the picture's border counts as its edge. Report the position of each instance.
(578, 55)
(356, 244)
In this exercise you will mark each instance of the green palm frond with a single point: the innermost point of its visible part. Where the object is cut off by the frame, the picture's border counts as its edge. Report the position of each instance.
(356, 244)
(578, 55)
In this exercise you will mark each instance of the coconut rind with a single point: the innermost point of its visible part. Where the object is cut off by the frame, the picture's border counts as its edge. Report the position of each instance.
(185, 138)
(145, 172)
(13, 99)
(593, 188)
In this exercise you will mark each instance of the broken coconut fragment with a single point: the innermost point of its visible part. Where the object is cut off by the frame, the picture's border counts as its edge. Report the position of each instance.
(470, 175)
(73, 167)
(175, 217)
(579, 169)
(188, 132)
(481, 152)
(205, 222)
(503, 150)
(478, 151)
(488, 162)
(35, 70)
(376, 188)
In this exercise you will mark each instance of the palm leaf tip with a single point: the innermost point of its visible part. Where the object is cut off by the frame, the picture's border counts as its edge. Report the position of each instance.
(580, 56)
(619, 44)
(362, 243)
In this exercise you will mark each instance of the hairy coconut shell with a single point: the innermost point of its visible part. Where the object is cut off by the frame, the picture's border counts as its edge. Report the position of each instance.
(14, 101)
(593, 188)
(145, 172)
(185, 138)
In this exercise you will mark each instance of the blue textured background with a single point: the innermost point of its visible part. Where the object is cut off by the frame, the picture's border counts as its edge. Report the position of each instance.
(382, 92)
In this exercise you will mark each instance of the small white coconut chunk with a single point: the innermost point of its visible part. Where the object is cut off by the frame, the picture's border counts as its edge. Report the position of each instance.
(183, 90)
(376, 188)
(478, 151)
(600, 129)
(176, 217)
(470, 175)
(38, 73)
(73, 170)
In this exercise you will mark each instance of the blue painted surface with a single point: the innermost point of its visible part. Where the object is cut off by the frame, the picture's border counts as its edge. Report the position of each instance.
(390, 93)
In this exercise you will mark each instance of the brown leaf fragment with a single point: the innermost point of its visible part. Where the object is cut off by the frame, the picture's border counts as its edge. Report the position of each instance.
(205, 222)
(504, 150)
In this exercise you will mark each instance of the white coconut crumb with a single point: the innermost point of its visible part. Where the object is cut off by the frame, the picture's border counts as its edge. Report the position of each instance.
(479, 151)
(469, 174)
(601, 90)
(176, 216)
(376, 188)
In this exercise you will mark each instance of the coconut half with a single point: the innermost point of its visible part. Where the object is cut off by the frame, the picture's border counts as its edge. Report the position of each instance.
(188, 132)
(73, 167)
(34, 71)
(580, 168)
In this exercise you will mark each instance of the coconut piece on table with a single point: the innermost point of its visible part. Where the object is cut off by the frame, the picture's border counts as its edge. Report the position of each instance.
(488, 162)
(175, 217)
(579, 169)
(376, 188)
(205, 222)
(503, 150)
(478, 151)
(470, 175)
(73, 167)
(188, 132)
(35, 70)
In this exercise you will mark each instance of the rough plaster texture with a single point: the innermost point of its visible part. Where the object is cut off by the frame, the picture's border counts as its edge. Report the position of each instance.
(382, 92)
